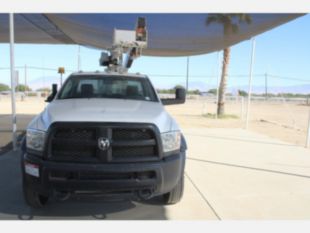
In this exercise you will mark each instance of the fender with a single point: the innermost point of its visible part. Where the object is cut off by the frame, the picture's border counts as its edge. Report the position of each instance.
(183, 144)
(23, 145)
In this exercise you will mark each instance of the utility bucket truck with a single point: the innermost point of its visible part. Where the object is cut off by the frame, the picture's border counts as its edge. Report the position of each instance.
(106, 134)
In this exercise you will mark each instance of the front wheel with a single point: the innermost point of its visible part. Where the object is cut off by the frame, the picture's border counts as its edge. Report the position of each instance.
(176, 194)
(33, 198)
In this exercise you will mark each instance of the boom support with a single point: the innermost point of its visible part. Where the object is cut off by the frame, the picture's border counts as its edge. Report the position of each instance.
(125, 42)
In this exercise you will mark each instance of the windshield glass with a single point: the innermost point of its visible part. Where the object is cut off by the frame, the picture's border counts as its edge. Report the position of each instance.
(96, 86)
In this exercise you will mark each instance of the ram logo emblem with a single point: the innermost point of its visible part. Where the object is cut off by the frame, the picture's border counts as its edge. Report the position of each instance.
(103, 143)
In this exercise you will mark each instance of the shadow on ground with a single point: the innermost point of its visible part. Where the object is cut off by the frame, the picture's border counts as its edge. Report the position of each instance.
(12, 205)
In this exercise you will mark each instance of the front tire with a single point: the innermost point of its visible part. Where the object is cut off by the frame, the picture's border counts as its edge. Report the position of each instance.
(33, 198)
(176, 194)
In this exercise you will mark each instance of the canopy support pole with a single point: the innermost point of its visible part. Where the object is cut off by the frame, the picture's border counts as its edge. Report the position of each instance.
(218, 81)
(250, 85)
(187, 73)
(12, 67)
(79, 58)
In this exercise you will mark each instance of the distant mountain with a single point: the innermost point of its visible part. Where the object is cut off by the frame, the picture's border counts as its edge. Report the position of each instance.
(43, 82)
(297, 89)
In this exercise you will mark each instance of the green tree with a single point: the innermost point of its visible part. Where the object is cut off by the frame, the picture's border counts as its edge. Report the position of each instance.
(196, 92)
(44, 89)
(178, 86)
(230, 23)
(22, 88)
(212, 91)
(242, 93)
(4, 87)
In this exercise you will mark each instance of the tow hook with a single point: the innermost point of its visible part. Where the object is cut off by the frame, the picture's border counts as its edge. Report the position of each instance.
(145, 194)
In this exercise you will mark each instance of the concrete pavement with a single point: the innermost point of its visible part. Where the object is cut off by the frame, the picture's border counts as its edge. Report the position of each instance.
(245, 175)
(230, 174)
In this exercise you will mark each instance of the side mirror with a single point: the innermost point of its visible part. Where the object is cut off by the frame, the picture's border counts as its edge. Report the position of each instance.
(180, 97)
(53, 94)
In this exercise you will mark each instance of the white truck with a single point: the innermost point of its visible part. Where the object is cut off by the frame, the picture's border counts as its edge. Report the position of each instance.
(104, 133)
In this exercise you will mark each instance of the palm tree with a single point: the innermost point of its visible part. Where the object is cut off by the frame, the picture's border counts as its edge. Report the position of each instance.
(230, 24)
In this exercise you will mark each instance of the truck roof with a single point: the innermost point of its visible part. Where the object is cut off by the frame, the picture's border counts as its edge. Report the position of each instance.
(136, 75)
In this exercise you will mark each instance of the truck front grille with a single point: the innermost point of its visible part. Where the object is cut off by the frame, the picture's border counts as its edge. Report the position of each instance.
(133, 152)
(79, 142)
(132, 134)
(76, 133)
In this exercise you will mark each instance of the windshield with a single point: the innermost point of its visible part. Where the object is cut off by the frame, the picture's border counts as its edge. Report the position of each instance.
(96, 86)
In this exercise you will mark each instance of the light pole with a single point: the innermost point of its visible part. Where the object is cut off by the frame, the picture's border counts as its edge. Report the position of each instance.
(218, 81)
(61, 71)
(266, 86)
(250, 85)
(187, 73)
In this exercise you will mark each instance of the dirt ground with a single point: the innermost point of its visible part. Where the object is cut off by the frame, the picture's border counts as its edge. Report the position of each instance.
(285, 121)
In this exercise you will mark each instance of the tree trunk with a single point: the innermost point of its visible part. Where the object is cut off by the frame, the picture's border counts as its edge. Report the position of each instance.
(223, 83)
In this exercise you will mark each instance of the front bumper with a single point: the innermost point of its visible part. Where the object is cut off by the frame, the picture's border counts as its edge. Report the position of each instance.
(108, 178)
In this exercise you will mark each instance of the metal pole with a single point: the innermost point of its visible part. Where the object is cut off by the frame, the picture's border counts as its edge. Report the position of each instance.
(218, 82)
(16, 79)
(242, 107)
(79, 58)
(25, 74)
(308, 133)
(266, 86)
(61, 79)
(12, 67)
(187, 73)
(250, 85)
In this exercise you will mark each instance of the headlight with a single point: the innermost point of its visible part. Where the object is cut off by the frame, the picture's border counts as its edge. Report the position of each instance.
(35, 139)
(171, 141)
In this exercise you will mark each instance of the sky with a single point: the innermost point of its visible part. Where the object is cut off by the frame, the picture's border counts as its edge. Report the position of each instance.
(283, 52)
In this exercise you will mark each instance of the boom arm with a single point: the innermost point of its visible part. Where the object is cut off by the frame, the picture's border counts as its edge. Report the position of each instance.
(125, 41)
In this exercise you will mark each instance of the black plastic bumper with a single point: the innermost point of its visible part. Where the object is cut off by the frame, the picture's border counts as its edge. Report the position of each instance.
(155, 177)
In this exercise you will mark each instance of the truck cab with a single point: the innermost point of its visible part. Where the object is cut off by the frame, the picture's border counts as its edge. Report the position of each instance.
(104, 133)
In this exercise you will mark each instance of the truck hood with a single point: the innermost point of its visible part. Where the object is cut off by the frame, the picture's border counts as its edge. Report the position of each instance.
(104, 110)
